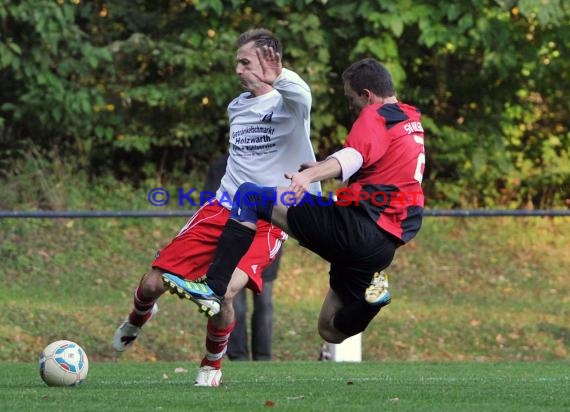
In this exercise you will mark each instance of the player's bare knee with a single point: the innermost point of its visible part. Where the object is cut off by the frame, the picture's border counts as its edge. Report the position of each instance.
(225, 317)
(227, 303)
(331, 335)
(152, 285)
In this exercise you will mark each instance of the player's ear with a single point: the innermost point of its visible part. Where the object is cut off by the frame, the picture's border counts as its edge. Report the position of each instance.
(368, 95)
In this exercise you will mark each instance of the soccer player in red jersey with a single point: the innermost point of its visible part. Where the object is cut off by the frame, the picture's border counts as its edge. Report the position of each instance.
(381, 208)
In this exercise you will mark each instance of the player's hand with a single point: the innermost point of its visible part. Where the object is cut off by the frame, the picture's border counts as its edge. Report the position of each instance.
(270, 62)
(299, 184)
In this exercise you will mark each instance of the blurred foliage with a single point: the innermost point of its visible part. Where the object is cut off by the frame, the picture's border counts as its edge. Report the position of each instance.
(139, 88)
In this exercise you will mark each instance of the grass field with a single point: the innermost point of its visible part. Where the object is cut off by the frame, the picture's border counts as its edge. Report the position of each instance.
(465, 289)
(299, 386)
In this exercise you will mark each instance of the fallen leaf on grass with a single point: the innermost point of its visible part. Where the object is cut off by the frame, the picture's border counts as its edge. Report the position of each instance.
(180, 370)
(269, 403)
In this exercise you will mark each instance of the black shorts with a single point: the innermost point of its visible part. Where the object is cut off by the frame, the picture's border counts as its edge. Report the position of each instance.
(346, 237)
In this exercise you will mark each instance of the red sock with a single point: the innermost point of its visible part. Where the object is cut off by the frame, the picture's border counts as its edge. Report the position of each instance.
(142, 308)
(216, 344)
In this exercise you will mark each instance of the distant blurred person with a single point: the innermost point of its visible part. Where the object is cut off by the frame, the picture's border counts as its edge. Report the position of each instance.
(262, 315)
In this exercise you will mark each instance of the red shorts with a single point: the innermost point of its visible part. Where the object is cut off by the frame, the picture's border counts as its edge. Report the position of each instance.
(190, 253)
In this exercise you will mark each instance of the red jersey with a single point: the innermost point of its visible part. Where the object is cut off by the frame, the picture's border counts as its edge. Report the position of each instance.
(390, 139)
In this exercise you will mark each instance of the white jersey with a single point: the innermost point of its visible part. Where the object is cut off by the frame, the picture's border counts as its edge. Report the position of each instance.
(269, 135)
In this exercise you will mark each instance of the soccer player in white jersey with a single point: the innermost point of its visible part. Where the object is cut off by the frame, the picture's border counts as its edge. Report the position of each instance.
(269, 133)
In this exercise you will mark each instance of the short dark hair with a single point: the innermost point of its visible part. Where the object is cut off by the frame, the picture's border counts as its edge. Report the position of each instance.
(369, 74)
(261, 37)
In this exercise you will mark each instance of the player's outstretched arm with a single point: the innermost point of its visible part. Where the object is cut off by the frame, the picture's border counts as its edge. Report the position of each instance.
(295, 91)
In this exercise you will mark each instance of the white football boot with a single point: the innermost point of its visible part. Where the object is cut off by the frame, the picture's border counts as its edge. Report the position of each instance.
(208, 376)
(127, 333)
(378, 293)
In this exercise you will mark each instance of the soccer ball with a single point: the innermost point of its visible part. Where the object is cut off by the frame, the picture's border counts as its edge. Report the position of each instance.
(63, 363)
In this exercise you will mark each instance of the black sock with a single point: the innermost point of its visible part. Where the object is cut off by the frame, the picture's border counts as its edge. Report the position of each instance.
(233, 244)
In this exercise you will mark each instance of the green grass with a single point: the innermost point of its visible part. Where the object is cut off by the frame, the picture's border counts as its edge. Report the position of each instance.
(299, 386)
(465, 289)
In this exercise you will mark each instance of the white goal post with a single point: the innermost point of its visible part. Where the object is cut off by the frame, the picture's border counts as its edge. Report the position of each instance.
(348, 351)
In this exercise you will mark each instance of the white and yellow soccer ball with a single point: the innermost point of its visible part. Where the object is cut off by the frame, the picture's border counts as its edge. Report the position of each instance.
(63, 363)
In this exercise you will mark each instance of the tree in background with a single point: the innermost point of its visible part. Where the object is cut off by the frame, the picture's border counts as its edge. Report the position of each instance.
(138, 88)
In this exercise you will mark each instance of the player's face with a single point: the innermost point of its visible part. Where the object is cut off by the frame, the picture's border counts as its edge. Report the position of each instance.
(355, 101)
(248, 67)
